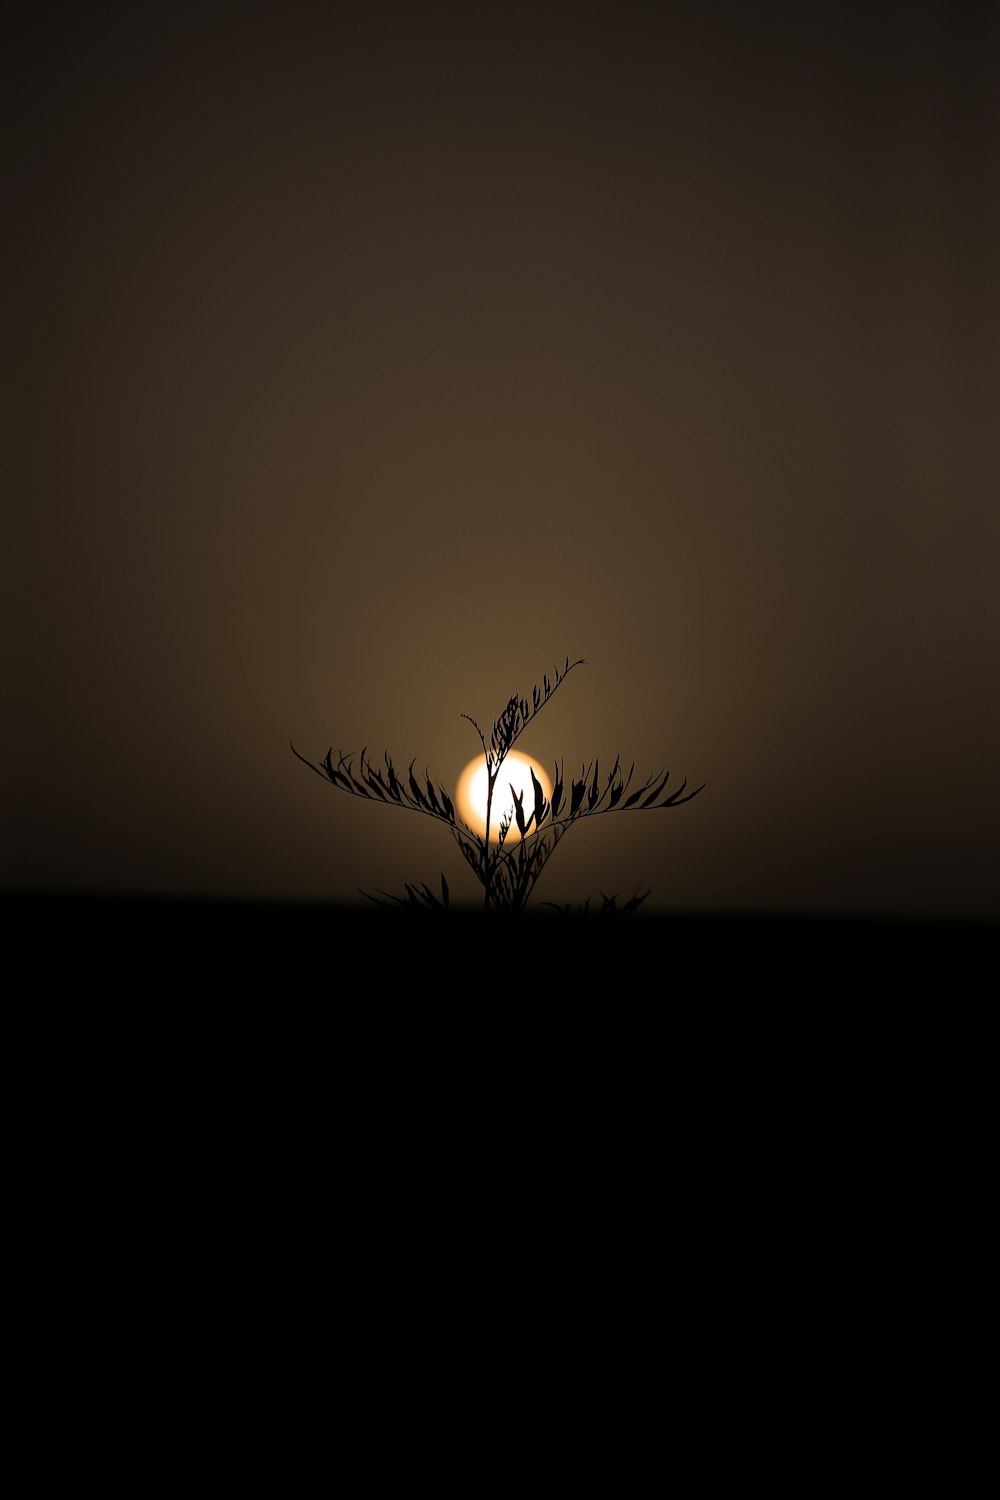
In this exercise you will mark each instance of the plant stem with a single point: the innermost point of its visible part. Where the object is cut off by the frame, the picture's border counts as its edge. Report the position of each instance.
(490, 783)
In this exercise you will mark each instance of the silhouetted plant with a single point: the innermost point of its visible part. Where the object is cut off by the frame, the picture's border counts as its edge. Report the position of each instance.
(508, 870)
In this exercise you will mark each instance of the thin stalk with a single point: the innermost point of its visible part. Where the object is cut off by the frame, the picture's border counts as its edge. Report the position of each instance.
(491, 777)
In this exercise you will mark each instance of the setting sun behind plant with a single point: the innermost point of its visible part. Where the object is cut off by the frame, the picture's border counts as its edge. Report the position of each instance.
(470, 792)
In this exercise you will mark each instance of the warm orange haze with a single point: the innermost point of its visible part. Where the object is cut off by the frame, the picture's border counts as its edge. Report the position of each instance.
(367, 359)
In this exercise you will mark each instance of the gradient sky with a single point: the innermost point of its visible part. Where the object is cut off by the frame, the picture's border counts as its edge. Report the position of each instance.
(368, 362)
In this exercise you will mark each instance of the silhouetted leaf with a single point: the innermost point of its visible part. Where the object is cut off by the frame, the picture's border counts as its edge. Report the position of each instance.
(677, 800)
(539, 798)
(374, 780)
(653, 795)
(418, 795)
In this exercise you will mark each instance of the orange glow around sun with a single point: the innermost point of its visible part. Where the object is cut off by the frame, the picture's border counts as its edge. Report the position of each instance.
(470, 793)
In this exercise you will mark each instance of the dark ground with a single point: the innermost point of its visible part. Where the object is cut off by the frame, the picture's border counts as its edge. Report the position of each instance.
(138, 943)
(293, 1084)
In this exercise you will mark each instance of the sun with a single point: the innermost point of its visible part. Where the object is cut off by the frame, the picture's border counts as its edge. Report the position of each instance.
(470, 793)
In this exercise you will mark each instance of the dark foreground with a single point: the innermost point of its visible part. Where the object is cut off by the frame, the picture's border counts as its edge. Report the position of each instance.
(132, 944)
(289, 1078)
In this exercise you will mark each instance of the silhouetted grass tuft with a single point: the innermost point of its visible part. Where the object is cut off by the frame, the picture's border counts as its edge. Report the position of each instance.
(527, 836)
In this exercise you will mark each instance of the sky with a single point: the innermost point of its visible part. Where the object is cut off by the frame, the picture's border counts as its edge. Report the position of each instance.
(366, 364)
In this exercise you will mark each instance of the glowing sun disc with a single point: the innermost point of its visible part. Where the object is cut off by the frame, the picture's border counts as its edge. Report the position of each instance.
(470, 793)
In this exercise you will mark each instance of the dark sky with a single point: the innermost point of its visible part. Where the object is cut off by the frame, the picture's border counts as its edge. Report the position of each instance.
(366, 362)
